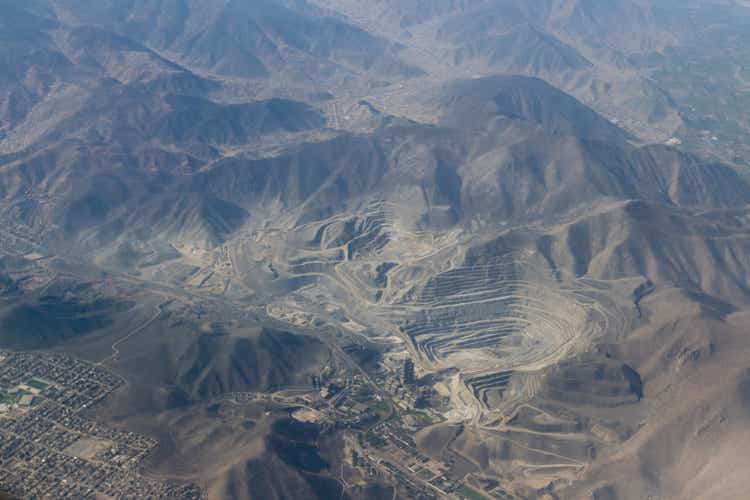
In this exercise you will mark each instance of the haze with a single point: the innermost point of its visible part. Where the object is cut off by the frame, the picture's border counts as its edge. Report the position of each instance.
(396, 249)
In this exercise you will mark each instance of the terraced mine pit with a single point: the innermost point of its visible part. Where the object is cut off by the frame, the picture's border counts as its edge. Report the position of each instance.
(491, 319)
(401, 249)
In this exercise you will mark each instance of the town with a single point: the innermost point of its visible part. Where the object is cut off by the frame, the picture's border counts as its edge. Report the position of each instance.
(49, 449)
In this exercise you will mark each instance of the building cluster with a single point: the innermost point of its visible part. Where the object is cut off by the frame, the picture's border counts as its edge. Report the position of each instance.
(406, 484)
(349, 402)
(50, 449)
(397, 454)
(406, 390)
(71, 382)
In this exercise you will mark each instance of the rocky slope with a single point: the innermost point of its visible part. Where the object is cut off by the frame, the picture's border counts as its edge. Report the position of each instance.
(576, 288)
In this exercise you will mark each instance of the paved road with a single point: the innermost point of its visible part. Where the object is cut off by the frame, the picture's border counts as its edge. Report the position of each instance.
(115, 347)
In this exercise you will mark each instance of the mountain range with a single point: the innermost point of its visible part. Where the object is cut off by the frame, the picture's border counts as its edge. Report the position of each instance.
(543, 204)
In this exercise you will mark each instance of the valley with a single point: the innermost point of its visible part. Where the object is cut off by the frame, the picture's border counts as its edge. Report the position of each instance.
(419, 249)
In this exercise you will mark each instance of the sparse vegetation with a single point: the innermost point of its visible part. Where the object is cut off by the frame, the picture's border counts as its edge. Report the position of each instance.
(491, 240)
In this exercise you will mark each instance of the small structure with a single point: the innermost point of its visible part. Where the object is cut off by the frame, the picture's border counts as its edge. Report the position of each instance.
(26, 400)
(408, 375)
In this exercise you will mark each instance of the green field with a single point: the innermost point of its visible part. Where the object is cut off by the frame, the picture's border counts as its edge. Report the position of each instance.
(37, 384)
(382, 410)
(467, 492)
(10, 399)
(374, 440)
